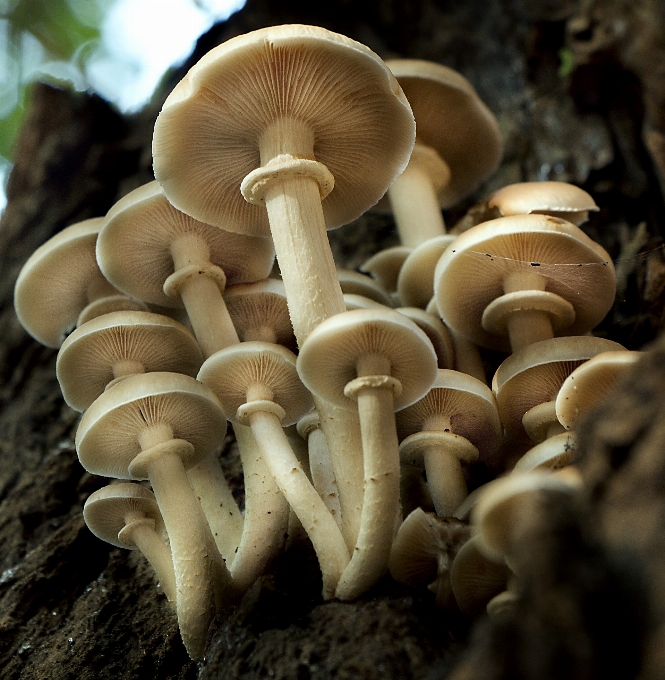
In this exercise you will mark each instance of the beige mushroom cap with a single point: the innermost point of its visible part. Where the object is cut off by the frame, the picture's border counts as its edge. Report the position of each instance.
(328, 359)
(232, 372)
(52, 287)
(206, 136)
(453, 120)
(471, 272)
(86, 360)
(262, 304)
(425, 544)
(106, 509)
(535, 374)
(134, 246)
(415, 283)
(474, 579)
(354, 283)
(559, 199)
(468, 403)
(436, 331)
(552, 454)
(107, 439)
(591, 383)
(505, 507)
(384, 266)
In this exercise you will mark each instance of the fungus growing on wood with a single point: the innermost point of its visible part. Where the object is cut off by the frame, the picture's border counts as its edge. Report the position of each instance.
(527, 277)
(127, 516)
(60, 286)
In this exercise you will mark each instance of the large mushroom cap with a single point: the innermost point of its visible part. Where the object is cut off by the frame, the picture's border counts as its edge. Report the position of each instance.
(471, 272)
(206, 136)
(107, 439)
(52, 287)
(106, 510)
(232, 371)
(453, 120)
(86, 360)
(134, 246)
(535, 374)
(328, 359)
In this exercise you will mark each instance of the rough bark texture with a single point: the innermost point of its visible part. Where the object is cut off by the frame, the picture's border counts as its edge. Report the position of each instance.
(593, 594)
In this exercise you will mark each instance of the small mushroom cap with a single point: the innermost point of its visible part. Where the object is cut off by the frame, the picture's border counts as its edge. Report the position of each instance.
(559, 199)
(106, 510)
(354, 283)
(534, 374)
(592, 383)
(328, 358)
(352, 301)
(453, 120)
(415, 284)
(86, 358)
(52, 287)
(468, 403)
(260, 304)
(471, 272)
(134, 246)
(552, 454)
(436, 331)
(107, 439)
(505, 507)
(475, 579)
(384, 266)
(206, 136)
(230, 372)
(423, 544)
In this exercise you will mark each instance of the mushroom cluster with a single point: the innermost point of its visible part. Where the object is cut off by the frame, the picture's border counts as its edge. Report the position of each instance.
(181, 326)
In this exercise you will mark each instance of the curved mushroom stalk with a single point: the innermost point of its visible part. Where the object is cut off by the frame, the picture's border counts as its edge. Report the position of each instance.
(266, 514)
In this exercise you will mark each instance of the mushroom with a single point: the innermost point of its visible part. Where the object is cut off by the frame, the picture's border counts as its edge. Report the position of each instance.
(458, 145)
(415, 283)
(354, 283)
(259, 312)
(127, 516)
(436, 331)
(60, 286)
(524, 276)
(423, 551)
(384, 266)
(258, 386)
(160, 255)
(456, 421)
(154, 426)
(312, 128)
(591, 384)
(111, 347)
(375, 361)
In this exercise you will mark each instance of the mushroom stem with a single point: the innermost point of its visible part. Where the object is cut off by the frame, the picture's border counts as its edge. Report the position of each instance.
(529, 325)
(198, 282)
(266, 514)
(381, 478)
(141, 532)
(319, 524)
(467, 357)
(219, 506)
(188, 535)
(445, 479)
(320, 464)
(413, 198)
